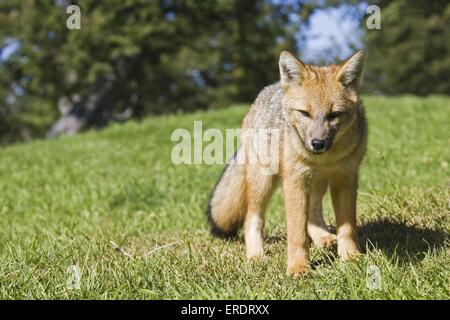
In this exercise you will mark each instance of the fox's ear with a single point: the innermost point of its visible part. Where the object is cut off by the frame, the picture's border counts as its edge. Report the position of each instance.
(351, 71)
(291, 69)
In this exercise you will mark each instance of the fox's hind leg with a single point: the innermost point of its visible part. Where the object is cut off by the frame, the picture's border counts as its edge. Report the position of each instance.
(259, 190)
(317, 229)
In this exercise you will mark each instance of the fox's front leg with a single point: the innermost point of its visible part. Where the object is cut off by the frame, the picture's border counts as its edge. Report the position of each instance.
(343, 194)
(296, 199)
(317, 229)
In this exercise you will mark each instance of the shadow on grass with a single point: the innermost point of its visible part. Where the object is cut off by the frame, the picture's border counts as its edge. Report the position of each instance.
(407, 242)
(275, 239)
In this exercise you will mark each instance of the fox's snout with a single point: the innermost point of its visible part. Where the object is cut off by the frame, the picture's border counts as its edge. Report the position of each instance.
(319, 145)
(319, 137)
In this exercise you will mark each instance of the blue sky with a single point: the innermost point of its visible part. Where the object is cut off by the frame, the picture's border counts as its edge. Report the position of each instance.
(332, 33)
(11, 46)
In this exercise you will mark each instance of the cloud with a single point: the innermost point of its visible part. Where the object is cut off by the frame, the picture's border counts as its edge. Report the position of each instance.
(332, 33)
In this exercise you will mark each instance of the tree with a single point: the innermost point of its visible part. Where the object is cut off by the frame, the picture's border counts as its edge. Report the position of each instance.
(410, 54)
(135, 57)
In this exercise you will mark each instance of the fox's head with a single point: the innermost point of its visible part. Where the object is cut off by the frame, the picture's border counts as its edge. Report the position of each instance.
(321, 102)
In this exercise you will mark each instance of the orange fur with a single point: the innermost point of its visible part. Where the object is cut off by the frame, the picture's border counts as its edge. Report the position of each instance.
(323, 137)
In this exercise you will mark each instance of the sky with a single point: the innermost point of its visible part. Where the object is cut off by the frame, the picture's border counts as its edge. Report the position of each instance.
(9, 49)
(332, 33)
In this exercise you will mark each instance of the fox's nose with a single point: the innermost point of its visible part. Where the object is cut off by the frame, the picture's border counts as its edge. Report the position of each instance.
(318, 144)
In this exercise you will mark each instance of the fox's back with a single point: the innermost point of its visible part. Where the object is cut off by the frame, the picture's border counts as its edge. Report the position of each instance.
(266, 111)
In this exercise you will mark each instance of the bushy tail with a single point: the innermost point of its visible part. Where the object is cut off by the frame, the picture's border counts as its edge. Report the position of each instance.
(227, 204)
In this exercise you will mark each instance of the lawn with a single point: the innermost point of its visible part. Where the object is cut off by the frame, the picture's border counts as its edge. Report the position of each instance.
(63, 201)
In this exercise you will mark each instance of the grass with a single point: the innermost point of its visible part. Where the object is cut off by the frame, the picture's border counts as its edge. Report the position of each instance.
(62, 201)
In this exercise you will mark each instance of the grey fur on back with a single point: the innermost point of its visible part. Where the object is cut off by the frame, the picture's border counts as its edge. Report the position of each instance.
(267, 111)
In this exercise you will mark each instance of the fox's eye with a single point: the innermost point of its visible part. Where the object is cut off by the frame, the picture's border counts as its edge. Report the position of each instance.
(304, 113)
(334, 115)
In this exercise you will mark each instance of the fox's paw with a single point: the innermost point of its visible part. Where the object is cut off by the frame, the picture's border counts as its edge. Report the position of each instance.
(255, 255)
(349, 254)
(299, 270)
(327, 241)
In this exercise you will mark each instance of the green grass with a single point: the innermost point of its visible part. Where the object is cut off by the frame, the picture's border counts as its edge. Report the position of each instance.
(63, 200)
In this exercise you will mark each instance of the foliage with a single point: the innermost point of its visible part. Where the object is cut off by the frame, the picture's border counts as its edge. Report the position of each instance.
(167, 54)
(410, 54)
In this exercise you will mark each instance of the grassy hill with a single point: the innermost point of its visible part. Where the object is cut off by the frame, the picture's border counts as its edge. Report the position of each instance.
(62, 201)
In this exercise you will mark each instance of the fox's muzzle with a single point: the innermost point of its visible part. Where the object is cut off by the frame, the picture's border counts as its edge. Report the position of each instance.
(318, 145)
(320, 137)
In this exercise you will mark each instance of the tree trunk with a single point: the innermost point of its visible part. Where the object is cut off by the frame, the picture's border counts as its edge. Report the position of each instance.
(96, 105)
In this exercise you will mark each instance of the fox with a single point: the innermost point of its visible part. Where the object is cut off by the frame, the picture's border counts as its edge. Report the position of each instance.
(323, 137)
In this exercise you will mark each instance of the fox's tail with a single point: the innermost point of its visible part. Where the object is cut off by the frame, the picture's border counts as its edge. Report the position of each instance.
(227, 204)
